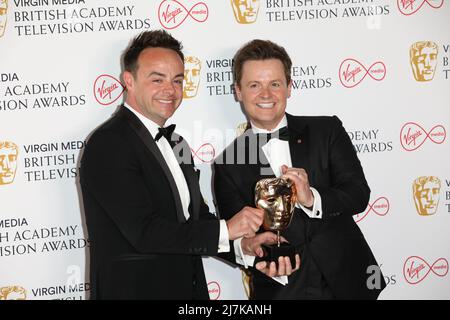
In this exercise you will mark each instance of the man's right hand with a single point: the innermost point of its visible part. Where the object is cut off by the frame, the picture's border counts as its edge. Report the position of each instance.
(252, 246)
(245, 223)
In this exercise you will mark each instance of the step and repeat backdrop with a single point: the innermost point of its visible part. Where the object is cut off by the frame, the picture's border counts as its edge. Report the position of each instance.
(382, 66)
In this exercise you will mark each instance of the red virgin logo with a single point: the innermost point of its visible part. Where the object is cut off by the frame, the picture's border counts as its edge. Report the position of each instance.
(409, 7)
(416, 269)
(380, 207)
(214, 290)
(107, 89)
(173, 13)
(205, 153)
(352, 72)
(413, 136)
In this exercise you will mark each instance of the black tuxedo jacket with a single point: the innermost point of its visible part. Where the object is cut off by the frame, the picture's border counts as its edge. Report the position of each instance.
(334, 243)
(141, 246)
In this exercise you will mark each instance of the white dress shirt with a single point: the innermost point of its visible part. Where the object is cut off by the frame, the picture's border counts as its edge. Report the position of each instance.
(277, 153)
(178, 176)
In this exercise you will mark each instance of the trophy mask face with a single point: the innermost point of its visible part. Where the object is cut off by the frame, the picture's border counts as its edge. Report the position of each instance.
(277, 197)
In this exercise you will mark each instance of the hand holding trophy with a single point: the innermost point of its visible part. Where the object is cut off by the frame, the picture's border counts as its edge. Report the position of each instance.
(277, 197)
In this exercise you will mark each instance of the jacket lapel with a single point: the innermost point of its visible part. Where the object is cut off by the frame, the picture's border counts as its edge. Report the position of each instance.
(258, 164)
(299, 142)
(142, 132)
(190, 174)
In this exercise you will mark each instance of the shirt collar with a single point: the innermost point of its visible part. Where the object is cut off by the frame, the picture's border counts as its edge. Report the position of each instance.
(280, 125)
(151, 126)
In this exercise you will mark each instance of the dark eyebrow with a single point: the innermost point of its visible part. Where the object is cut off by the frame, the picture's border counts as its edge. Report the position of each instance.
(156, 73)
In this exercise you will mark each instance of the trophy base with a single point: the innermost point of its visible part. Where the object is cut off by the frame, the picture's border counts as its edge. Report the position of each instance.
(273, 252)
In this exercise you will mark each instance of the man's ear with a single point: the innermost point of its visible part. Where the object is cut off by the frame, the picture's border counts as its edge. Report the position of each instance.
(128, 78)
(238, 92)
(289, 87)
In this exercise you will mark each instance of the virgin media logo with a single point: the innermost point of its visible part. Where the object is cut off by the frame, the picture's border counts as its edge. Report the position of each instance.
(379, 207)
(172, 14)
(415, 269)
(409, 7)
(412, 135)
(214, 290)
(205, 153)
(352, 72)
(107, 89)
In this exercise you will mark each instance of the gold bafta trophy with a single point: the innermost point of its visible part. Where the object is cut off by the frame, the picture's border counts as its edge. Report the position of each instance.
(277, 197)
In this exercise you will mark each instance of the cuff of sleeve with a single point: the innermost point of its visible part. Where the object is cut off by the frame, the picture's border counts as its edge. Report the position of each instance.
(224, 241)
(242, 258)
(281, 279)
(316, 211)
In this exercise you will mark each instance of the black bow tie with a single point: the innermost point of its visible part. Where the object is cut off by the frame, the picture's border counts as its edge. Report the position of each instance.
(166, 132)
(282, 134)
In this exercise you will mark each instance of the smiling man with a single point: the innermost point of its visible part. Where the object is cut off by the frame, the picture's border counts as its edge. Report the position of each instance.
(148, 225)
(317, 154)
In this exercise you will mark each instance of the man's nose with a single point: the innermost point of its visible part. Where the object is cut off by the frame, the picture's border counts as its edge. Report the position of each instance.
(169, 87)
(265, 92)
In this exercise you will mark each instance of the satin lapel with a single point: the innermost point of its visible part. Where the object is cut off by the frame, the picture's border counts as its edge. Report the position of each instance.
(299, 143)
(147, 139)
(261, 169)
(191, 177)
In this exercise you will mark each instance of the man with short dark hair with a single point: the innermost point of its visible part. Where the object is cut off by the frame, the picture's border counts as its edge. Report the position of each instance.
(147, 222)
(317, 155)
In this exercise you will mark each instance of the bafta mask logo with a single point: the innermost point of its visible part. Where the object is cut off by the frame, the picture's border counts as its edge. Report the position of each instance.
(13, 293)
(3, 16)
(423, 57)
(192, 68)
(8, 161)
(245, 11)
(426, 194)
(241, 128)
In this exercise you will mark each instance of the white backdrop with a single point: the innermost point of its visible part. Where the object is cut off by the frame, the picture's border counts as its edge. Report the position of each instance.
(59, 79)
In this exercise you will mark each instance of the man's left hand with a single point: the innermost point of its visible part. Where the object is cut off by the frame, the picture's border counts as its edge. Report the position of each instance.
(284, 266)
(299, 176)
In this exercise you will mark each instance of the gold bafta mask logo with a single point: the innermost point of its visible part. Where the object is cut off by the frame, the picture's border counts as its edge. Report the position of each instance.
(423, 56)
(8, 161)
(13, 293)
(3, 16)
(241, 128)
(426, 194)
(245, 11)
(192, 68)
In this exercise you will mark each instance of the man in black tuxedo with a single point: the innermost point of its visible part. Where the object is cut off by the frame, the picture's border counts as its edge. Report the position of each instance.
(147, 222)
(317, 154)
